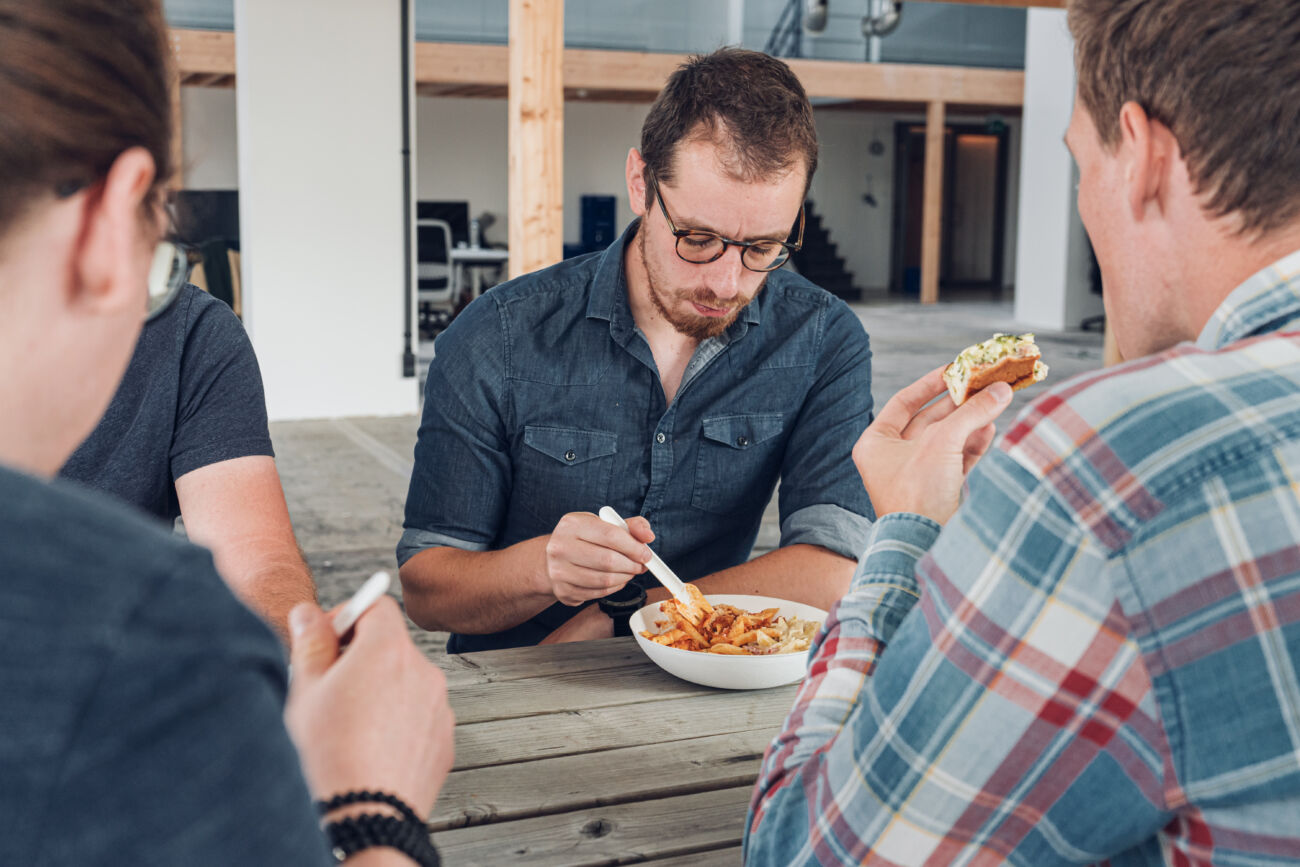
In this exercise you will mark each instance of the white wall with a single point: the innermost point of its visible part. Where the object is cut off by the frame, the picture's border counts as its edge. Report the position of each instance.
(208, 132)
(460, 145)
(1052, 288)
(597, 137)
(462, 155)
(321, 204)
(860, 232)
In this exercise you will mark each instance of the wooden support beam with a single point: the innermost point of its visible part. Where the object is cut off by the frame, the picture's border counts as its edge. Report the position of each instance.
(589, 74)
(905, 82)
(932, 211)
(535, 200)
(203, 51)
(484, 70)
(205, 79)
(1049, 4)
(177, 180)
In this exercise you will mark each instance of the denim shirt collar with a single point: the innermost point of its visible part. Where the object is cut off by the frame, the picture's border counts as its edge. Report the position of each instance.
(609, 297)
(1269, 301)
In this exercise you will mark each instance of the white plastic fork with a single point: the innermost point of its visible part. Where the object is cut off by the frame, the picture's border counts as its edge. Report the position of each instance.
(657, 567)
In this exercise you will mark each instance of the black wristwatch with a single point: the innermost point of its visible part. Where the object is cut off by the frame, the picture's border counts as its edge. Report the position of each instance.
(620, 605)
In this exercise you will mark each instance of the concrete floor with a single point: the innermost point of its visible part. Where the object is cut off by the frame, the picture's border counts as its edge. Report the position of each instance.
(346, 479)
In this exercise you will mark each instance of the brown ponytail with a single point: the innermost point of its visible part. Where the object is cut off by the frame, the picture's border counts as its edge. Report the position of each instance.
(80, 82)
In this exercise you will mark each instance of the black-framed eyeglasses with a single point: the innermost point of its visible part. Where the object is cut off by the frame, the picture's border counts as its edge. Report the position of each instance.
(169, 270)
(700, 247)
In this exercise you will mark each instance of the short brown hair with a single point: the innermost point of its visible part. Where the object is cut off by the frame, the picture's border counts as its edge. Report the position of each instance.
(748, 100)
(1223, 76)
(81, 81)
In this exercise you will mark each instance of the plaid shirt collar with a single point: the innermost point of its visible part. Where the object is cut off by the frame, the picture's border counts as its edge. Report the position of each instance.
(1265, 303)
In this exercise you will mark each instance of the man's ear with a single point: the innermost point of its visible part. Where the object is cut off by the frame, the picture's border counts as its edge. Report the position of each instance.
(1148, 149)
(636, 187)
(115, 235)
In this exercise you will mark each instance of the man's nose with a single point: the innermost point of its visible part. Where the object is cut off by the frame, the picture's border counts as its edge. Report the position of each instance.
(728, 275)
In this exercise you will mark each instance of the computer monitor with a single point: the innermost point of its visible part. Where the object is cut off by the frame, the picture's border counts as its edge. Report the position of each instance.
(207, 215)
(456, 214)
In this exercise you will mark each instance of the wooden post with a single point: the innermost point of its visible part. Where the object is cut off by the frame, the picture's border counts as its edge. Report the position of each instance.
(536, 143)
(177, 180)
(932, 212)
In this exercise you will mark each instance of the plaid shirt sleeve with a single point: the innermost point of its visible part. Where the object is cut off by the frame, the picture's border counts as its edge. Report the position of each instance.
(1011, 719)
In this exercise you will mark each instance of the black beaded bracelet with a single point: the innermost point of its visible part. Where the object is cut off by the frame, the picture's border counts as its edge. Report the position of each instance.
(364, 796)
(408, 835)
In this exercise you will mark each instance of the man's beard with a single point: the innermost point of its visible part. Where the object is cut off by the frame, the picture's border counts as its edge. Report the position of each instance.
(694, 326)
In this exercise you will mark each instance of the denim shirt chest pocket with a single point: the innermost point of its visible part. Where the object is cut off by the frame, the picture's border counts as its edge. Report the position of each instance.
(563, 470)
(739, 459)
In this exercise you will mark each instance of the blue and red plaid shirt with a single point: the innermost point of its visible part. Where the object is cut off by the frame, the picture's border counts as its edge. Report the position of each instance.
(1102, 655)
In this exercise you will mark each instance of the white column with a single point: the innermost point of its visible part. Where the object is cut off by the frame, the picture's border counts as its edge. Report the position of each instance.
(735, 22)
(1052, 264)
(320, 182)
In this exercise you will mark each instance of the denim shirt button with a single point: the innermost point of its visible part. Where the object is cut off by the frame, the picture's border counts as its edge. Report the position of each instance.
(659, 438)
(742, 441)
(570, 455)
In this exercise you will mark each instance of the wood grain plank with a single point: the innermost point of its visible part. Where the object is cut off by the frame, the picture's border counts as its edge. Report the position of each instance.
(547, 786)
(518, 663)
(621, 834)
(728, 857)
(591, 730)
(567, 692)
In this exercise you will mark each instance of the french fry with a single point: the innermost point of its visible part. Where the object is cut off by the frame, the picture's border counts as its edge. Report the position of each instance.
(727, 630)
(666, 637)
(689, 628)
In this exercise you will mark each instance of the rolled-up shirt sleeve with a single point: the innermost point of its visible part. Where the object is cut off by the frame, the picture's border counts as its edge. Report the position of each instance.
(822, 499)
(834, 528)
(462, 477)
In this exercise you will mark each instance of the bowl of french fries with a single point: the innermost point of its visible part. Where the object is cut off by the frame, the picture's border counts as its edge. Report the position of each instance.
(729, 641)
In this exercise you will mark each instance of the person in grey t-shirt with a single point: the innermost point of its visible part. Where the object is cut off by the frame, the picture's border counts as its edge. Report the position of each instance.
(145, 716)
(186, 434)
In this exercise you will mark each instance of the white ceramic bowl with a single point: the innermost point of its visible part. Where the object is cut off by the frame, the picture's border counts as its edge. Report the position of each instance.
(723, 671)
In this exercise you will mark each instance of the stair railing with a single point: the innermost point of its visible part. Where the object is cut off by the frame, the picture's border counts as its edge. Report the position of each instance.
(786, 39)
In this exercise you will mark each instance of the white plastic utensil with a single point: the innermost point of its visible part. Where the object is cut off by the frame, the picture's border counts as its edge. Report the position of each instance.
(367, 594)
(657, 567)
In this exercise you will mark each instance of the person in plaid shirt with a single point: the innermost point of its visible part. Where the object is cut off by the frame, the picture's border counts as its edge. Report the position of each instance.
(1096, 656)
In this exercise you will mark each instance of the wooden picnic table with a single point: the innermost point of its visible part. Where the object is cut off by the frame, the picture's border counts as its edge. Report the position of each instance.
(589, 753)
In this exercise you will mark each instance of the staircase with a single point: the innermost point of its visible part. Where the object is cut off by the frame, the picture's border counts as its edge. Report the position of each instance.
(819, 262)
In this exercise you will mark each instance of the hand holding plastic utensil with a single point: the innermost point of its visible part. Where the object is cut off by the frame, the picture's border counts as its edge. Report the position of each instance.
(657, 567)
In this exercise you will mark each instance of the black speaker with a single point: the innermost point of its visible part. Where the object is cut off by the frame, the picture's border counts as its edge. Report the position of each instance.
(597, 222)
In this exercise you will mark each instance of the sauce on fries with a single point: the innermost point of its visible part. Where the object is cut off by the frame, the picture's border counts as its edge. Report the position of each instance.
(726, 629)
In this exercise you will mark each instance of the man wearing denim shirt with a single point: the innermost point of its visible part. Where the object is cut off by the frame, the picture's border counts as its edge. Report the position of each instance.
(1096, 657)
(675, 377)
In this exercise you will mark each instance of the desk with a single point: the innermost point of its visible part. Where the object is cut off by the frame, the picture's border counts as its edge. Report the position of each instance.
(472, 259)
(588, 753)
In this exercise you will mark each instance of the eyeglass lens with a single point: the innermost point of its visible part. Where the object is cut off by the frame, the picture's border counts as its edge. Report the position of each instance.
(167, 274)
(700, 248)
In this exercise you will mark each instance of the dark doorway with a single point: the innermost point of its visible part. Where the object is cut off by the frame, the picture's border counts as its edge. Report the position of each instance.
(975, 192)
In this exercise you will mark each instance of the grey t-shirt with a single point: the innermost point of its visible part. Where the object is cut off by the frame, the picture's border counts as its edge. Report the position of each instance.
(191, 396)
(140, 703)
